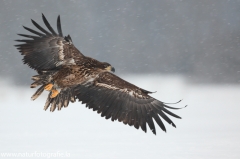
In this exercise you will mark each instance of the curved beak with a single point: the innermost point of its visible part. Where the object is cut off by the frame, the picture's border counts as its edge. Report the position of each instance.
(113, 69)
(110, 69)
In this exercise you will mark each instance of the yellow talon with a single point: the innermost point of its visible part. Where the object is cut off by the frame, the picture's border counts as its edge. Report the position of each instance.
(48, 87)
(54, 93)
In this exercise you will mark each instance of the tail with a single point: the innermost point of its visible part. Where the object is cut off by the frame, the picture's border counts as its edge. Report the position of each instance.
(62, 99)
(42, 80)
(38, 92)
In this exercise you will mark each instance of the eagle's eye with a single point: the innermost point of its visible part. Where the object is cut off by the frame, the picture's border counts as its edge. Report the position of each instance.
(106, 65)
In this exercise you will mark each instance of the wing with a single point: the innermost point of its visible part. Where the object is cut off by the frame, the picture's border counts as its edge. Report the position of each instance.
(119, 100)
(48, 50)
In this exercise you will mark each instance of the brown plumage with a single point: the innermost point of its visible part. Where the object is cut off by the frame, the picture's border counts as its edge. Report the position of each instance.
(69, 75)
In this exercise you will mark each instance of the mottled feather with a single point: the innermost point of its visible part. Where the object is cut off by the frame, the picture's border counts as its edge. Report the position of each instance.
(108, 93)
(64, 70)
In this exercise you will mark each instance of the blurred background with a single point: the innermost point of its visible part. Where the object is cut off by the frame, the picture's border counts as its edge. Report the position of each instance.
(197, 39)
(183, 49)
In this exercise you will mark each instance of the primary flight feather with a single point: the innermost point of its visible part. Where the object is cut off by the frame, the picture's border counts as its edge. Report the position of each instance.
(69, 75)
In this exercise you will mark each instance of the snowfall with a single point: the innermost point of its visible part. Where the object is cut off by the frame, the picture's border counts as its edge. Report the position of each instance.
(209, 128)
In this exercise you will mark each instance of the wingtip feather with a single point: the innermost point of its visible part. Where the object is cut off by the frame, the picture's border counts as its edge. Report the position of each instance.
(59, 28)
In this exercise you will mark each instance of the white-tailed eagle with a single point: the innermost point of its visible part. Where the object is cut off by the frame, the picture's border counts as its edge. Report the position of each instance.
(69, 75)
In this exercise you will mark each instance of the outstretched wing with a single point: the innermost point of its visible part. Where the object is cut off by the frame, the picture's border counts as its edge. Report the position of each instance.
(48, 50)
(119, 100)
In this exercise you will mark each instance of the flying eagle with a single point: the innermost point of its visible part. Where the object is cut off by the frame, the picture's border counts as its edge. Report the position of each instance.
(69, 75)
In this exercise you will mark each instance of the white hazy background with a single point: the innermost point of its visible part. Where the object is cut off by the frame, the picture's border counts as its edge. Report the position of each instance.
(209, 127)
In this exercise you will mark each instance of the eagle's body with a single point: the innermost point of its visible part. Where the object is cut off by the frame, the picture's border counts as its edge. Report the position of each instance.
(69, 75)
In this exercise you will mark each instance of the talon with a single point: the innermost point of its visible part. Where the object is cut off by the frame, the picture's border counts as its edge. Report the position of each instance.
(54, 93)
(48, 87)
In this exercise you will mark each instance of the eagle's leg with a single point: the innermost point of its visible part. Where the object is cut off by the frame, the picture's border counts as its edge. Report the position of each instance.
(54, 93)
(48, 87)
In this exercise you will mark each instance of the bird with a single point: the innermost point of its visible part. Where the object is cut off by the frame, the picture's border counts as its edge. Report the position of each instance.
(68, 75)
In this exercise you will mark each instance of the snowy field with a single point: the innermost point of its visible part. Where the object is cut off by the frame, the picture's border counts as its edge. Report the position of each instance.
(209, 128)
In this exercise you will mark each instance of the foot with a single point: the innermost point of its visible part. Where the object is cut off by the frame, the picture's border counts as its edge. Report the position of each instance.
(54, 93)
(48, 87)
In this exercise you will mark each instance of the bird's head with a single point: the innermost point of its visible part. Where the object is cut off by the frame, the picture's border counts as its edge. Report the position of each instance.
(95, 64)
(108, 67)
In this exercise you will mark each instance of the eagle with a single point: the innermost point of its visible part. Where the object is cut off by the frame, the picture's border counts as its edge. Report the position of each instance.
(68, 75)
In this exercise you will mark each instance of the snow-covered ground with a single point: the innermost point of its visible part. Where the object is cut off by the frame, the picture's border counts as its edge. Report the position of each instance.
(209, 128)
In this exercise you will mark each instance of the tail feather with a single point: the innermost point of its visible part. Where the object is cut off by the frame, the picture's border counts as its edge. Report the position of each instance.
(66, 101)
(48, 102)
(36, 77)
(38, 93)
(41, 80)
(65, 96)
(62, 99)
(72, 98)
(36, 83)
(53, 106)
